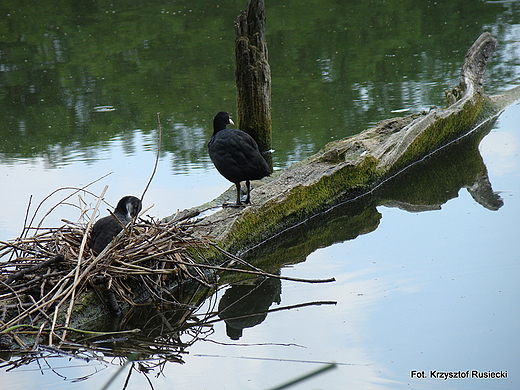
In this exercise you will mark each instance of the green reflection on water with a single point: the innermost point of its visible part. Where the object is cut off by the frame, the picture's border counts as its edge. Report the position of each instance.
(337, 67)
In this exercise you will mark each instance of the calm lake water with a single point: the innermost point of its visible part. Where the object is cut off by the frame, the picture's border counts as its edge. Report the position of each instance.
(434, 288)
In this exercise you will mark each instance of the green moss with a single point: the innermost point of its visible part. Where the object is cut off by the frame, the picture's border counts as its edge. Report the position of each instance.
(349, 180)
(442, 131)
(258, 223)
(206, 254)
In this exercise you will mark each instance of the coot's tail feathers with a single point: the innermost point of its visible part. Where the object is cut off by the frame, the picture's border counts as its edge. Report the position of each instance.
(236, 156)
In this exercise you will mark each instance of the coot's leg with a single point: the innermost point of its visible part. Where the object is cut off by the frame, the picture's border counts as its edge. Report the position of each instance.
(248, 197)
(237, 185)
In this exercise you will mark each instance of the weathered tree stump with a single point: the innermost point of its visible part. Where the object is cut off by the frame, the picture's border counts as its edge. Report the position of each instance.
(253, 76)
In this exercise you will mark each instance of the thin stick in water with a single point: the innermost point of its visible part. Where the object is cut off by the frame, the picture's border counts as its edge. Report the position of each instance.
(159, 140)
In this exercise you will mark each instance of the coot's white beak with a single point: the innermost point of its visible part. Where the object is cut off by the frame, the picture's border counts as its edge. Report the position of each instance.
(231, 122)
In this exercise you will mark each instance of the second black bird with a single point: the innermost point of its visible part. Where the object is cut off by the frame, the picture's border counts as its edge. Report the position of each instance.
(106, 228)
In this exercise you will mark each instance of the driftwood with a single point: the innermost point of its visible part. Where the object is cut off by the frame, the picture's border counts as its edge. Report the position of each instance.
(357, 165)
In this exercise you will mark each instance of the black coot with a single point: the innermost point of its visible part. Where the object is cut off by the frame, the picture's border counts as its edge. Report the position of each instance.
(236, 155)
(106, 228)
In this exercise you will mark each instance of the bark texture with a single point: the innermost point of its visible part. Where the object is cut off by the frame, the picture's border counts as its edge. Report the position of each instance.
(253, 76)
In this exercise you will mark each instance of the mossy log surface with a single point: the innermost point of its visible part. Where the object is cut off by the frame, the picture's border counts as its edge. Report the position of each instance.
(355, 165)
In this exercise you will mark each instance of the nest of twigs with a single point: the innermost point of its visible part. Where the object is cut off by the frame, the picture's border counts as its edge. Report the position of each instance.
(46, 274)
(53, 284)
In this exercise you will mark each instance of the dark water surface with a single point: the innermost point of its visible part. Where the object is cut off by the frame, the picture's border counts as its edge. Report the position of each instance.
(426, 269)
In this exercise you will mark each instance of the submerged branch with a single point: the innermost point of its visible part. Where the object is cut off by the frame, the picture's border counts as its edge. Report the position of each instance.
(262, 273)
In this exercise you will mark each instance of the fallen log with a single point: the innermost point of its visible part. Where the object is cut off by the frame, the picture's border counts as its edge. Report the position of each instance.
(348, 168)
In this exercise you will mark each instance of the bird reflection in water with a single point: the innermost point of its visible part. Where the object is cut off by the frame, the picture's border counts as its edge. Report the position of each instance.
(245, 305)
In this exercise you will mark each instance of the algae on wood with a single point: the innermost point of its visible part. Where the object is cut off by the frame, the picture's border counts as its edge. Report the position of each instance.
(356, 165)
(425, 185)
